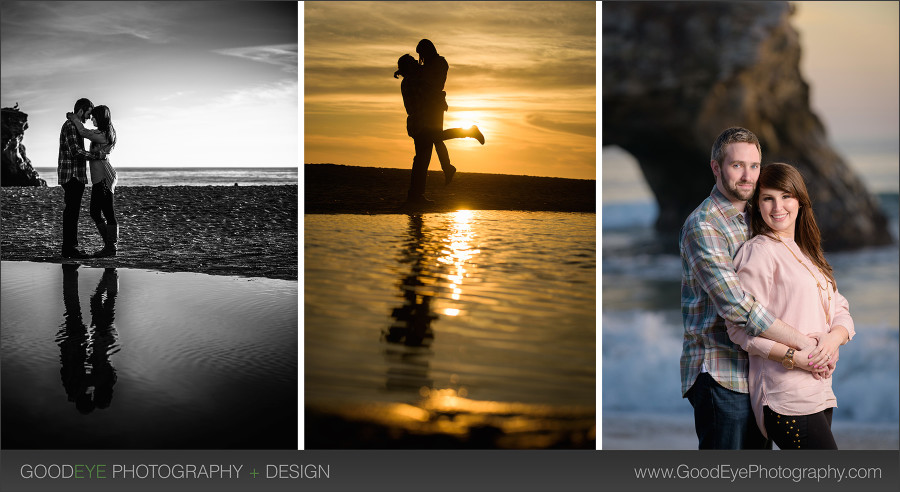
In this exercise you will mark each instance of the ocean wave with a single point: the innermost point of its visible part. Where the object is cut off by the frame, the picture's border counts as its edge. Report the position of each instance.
(641, 370)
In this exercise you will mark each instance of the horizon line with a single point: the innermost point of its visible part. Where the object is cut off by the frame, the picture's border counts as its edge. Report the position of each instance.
(433, 170)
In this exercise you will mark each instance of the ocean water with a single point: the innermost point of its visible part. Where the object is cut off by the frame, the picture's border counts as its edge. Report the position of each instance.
(193, 176)
(641, 308)
(449, 324)
(97, 358)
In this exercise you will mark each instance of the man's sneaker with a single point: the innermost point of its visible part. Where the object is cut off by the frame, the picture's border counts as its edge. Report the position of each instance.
(448, 174)
(417, 202)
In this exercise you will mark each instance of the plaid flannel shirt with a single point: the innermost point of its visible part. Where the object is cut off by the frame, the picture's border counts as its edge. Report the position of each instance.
(711, 293)
(72, 156)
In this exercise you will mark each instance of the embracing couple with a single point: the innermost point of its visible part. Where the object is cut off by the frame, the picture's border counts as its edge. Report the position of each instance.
(72, 172)
(425, 101)
(762, 315)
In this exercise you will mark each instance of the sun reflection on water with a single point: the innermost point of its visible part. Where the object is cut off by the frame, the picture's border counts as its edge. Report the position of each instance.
(457, 251)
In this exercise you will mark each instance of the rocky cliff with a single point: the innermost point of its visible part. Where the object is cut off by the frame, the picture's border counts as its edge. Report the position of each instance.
(675, 74)
(16, 168)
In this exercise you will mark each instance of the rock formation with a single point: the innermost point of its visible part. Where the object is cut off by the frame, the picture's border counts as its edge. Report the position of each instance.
(675, 74)
(16, 170)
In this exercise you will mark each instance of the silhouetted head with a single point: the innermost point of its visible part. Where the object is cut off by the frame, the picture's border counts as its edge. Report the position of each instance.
(426, 50)
(84, 403)
(406, 65)
(83, 108)
(103, 393)
(103, 121)
(101, 117)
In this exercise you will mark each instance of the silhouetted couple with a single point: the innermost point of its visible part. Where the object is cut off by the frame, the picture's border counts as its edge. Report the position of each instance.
(425, 101)
(72, 172)
(87, 374)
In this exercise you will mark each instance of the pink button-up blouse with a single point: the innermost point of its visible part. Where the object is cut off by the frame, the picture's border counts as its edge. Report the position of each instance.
(778, 281)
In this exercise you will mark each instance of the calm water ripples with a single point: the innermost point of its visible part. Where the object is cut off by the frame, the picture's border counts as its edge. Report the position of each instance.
(492, 310)
(91, 356)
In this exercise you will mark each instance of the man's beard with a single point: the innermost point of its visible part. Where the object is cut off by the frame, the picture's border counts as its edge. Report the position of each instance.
(741, 194)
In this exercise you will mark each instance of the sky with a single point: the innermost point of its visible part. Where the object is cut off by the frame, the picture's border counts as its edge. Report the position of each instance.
(187, 83)
(524, 72)
(851, 59)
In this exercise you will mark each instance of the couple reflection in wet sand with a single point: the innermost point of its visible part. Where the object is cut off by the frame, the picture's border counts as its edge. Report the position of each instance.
(87, 374)
(436, 269)
(408, 368)
(425, 101)
(414, 317)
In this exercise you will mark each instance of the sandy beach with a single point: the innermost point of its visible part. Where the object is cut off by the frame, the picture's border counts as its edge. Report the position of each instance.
(331, 188)
(246, 231)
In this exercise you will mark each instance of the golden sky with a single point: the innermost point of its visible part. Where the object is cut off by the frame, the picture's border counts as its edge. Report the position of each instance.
(524, 72)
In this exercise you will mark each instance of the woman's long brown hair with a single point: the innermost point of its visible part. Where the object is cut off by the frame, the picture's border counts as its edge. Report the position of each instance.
(784, 177)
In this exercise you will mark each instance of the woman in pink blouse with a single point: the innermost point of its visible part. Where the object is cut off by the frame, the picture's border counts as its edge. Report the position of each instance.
(784, 268)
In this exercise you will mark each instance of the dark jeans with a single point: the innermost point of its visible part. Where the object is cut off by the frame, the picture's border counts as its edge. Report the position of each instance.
(102, 206)
(800, 431)
(74, 190)
(723, 418)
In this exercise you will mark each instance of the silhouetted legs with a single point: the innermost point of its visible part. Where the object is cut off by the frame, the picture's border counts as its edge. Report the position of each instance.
(74, 189)
(421, 161)
(444, 155)
(72, 340)
(87, 373)
(102, 206)
(471, 132)
(104, 338)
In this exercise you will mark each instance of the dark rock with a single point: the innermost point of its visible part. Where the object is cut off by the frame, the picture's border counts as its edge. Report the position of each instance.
(16, 167)
(675, 74)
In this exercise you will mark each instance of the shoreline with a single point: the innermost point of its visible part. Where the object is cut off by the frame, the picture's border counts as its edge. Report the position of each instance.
(340, 189)
(247, 231)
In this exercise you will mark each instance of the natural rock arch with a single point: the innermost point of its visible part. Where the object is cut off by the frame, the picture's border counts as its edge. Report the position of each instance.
(675, 74)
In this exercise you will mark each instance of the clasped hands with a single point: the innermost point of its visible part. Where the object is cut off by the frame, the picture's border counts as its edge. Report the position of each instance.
(820, 356)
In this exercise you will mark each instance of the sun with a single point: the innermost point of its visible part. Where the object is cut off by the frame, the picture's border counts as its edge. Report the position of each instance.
(465, 119)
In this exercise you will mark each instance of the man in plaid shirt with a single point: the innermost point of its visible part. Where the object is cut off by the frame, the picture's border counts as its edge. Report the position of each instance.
(72, 173)
(713, 368)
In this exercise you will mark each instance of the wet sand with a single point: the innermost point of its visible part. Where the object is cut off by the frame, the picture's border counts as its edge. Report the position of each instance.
(330, 188)
(446, 421)
(249, 231)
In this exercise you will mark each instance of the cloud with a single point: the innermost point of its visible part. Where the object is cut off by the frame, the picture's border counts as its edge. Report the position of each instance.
(284, 92)
(541, 121)
(283, 55)
(518, 69)
(146, 21)
(350, 46)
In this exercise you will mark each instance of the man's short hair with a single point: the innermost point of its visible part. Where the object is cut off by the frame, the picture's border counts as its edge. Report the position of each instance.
(83, 103)
(732, 135)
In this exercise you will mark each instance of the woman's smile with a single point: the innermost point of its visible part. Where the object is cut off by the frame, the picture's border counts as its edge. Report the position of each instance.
(779, 210)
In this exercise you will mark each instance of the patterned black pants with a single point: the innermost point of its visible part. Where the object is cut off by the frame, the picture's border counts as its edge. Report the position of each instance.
(800, 431)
